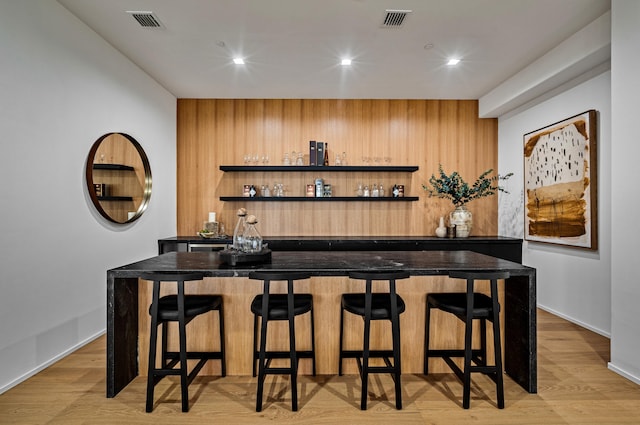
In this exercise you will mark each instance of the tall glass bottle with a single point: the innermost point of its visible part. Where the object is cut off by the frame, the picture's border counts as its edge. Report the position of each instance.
(238, 232)
(252, 239)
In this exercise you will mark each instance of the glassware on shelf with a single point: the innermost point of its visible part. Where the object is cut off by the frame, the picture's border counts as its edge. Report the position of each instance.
(343, 159)
(338, 160)
(300, 160)
(286, 160)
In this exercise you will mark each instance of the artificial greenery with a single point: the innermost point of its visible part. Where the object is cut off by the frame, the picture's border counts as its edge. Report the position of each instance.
(459, 192)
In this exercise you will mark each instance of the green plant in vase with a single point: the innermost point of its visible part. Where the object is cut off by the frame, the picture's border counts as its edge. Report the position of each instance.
(454, 188)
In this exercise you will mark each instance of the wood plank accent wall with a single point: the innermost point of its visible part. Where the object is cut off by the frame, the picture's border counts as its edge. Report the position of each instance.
(214, 132)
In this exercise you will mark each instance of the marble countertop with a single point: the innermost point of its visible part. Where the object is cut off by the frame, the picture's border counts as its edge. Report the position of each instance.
(326, 263)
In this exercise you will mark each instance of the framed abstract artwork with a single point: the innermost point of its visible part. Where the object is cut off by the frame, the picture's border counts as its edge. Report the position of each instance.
(560, 182)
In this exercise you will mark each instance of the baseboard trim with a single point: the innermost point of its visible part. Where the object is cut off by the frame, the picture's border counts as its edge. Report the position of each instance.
(48, 363)
(577, 322)
(623, 373)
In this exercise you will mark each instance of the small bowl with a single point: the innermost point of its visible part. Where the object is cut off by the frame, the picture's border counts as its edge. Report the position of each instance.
(206, 235)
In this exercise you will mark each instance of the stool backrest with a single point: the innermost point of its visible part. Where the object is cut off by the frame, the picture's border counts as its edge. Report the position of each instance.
(379, 275)
(275, 275)
(475, 275)
(172, 276)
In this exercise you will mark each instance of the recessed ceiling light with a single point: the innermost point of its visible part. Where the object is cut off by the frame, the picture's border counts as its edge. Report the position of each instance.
(238, 61)
(345, 62)
(453, 62)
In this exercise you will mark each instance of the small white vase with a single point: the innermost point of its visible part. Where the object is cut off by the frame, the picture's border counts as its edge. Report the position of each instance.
(463, 220)
(441, 231)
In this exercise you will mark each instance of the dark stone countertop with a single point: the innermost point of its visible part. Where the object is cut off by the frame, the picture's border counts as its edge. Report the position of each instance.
(327, 263)
(497, 246)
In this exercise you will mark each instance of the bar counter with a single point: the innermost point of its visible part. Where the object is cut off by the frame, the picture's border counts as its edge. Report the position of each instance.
(519, 303)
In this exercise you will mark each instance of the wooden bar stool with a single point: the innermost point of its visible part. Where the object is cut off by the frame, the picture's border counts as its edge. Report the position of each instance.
(375, 306)
(182, 309)
(280, 307)
(468, 306)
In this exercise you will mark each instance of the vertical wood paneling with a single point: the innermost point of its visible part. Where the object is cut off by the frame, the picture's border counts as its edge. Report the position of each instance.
(214, 132)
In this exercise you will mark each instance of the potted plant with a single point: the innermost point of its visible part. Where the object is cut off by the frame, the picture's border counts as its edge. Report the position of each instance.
(459, 192)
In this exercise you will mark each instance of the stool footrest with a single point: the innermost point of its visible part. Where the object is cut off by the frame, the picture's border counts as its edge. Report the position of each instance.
(209, 355)
(452, 353)
(278, 371)
(305, 354)
(354, 354)
(159, 374)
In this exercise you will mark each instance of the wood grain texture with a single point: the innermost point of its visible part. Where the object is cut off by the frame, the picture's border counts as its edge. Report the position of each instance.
(214, 132)
(575, 387)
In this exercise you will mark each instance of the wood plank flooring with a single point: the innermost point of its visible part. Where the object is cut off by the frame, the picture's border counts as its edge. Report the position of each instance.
(574, 387)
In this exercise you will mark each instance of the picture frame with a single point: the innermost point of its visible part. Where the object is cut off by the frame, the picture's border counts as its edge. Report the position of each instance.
(560, 182)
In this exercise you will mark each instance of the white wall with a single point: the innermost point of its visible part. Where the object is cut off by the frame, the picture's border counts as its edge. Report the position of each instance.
(61, 87)
(600, 290)
(572, 283)
(625, 93)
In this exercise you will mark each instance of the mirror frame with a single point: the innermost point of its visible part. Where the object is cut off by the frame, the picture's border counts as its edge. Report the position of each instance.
(146, 196)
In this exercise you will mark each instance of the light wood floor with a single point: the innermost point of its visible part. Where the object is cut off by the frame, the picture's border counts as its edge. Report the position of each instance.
(574, 387)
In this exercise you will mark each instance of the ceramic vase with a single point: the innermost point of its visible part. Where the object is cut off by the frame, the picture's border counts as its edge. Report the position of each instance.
(463, 220)
(441, 231)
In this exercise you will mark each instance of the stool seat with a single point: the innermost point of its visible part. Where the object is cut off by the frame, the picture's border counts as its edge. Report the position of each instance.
(194, 305)
(456, 303)
(278, 307)
(380, 305)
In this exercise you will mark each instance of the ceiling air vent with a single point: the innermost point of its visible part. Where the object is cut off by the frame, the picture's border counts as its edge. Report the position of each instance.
(394, 18)
(146, 19)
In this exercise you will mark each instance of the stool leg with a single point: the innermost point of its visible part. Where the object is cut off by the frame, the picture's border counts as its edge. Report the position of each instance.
(395, 332)
(341, 342)
(365, 351)
(468, 326)
(292, 348)
(497, 344)
(263, 345)
(164, 360)
(483, 341)
(427, 320)
(183, 348)
(313, 343)
(152, 346)
(255, 345)
(223, 357)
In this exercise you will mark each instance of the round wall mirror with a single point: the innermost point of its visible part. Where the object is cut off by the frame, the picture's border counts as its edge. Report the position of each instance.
(118, 177)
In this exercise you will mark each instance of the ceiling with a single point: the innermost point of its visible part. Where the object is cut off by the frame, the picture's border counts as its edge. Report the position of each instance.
(293, 48)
